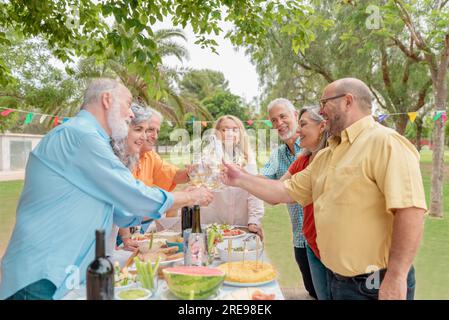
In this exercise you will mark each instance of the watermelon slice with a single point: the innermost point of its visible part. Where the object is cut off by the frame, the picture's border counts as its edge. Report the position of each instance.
(193, 283)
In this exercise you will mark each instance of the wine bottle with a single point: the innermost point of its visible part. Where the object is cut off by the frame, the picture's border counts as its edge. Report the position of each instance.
(197, 244)
(100, 273)
(196, 219)
(186, 218)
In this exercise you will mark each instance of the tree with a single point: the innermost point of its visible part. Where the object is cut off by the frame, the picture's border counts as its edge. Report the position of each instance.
(36, 86)
(224, 102)
(421, 31)
(161, 94)
(346, 49)
(199, 84)
(78, 27)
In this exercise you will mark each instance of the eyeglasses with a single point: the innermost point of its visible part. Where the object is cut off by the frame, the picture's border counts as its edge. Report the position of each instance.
(325, 100)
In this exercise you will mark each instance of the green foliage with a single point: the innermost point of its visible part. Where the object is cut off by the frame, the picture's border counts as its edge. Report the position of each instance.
(79, 28)
(38, 85)
(349, 48)
(224, 102)
(199, 84)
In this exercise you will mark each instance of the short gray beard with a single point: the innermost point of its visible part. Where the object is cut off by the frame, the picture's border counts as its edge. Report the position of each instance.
(289, 134)
(118, 126)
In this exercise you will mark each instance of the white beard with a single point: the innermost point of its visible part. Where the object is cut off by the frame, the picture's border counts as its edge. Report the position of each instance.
(289, 134)
(119, 127)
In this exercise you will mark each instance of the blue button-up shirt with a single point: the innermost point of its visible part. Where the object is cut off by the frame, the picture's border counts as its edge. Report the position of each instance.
(280, 160)
(74, 185)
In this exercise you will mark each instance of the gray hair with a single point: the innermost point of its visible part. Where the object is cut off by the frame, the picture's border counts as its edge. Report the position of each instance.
(281, 102)
(141, 114)
(129, 160)
(156, 113)
(314, 113)
(98, 86)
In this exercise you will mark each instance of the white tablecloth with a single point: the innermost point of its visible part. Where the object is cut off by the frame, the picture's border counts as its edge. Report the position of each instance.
(162, 292)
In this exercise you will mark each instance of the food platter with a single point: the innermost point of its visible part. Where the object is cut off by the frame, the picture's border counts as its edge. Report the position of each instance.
(233, 234)
(225, 231)
(248, 284)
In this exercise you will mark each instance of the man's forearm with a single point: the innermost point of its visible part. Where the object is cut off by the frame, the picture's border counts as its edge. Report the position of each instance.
(406, 237)
(271, 191)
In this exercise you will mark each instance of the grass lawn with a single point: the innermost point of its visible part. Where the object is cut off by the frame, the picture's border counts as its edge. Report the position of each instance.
(432, 262)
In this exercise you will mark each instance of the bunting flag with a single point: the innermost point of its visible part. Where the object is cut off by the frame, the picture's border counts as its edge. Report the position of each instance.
(6, 112)
(29, 118)
(437, 115)
(204, 123)
(412, 116)
(382, 117)
(65, 119)
(42, 119)
(170, 124)
(55, 121)
(440, 114)
(268, 123)
(250, 122)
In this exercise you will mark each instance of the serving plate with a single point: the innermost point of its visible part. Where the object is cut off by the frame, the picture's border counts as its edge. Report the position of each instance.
(248, 284)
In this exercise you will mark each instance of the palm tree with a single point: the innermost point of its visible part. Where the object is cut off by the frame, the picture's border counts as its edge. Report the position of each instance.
(171, 105)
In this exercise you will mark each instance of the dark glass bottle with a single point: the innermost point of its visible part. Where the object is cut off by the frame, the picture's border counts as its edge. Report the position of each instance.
(100, 273)
(186, 218)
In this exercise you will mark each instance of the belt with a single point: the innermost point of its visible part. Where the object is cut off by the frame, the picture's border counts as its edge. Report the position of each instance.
(359, 276)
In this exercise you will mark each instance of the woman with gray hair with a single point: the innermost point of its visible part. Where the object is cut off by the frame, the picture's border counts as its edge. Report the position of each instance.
(131, 151)
(314, 134)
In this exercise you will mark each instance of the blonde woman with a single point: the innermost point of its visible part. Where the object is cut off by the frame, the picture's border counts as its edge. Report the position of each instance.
(232, 205)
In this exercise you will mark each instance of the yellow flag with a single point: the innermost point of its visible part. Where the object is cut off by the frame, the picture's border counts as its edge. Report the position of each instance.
(412, 116)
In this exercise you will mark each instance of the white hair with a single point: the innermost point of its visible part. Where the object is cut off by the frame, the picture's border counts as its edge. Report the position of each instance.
(156, 113)
(281, 102)
(98, 86)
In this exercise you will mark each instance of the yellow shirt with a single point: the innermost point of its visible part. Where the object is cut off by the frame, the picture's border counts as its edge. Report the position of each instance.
(153, 171)
(355, 184)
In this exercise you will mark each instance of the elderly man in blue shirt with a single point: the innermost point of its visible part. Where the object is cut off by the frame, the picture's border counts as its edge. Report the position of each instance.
(74, 185)
(284, 118)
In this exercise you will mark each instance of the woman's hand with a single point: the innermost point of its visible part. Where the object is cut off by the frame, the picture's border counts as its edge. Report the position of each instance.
(199, 195)
(254, 228)
(130, 244)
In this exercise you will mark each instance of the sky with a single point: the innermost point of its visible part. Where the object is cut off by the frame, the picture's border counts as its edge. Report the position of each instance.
(235, 65)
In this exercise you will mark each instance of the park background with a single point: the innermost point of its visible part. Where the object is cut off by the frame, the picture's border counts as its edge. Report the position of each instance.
(195, 61)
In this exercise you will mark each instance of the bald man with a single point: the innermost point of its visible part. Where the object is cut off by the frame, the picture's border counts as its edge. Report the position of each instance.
(75, 184)
(368, 197)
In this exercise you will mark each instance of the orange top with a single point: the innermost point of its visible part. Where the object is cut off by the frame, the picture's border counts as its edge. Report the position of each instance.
(153, 171)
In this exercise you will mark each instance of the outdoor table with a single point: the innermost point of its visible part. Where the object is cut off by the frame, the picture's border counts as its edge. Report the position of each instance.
(121, 256)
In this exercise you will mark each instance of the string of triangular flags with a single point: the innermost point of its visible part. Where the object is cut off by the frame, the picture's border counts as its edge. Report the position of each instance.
(412, 116)
(30, 115)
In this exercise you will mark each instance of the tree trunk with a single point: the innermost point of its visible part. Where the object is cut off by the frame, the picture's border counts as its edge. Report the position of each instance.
(401, 123)
(436, 193)
(419, 126)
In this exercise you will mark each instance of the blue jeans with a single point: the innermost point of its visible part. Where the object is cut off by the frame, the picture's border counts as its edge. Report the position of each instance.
(40, 290)
(355, 288)
(319, 275)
